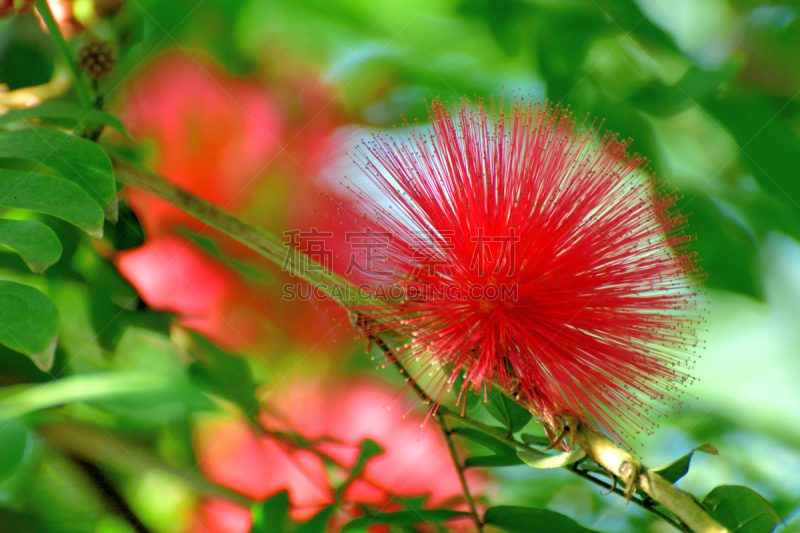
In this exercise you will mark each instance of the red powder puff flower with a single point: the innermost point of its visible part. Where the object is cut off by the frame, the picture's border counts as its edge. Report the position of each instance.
(334, 420)
(532, 255)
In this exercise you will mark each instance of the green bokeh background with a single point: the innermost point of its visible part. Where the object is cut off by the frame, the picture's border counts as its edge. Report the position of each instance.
(706, 88)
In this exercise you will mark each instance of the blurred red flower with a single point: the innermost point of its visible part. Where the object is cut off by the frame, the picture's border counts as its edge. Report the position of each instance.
(172, 274)
(216, 515)
(213, 134)
(334, 419)
(223, 139)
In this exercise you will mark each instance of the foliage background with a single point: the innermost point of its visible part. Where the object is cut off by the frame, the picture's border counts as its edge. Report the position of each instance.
(706, 88)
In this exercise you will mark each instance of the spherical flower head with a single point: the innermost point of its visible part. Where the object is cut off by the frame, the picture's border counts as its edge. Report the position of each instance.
(521, 251)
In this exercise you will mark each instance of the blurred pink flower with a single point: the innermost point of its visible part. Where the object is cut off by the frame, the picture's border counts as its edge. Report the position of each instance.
(222, 139)
(216, 515)
(334, 419)
(213, 135)
(172, 274)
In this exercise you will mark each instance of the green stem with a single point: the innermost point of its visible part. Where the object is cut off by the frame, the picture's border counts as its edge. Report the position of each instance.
(504, 437)
(641, 503)
(440, 418)
(66, 54)
(629, 469)
(451, 445)
(267, 244)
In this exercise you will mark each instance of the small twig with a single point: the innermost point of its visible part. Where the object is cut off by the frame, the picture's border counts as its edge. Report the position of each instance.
(110, 493)
(629, 469)
(612, 488)
(443, 411)
(266, 244)
(62, 48)
(448, 436)
(572, 469)
(440, 418)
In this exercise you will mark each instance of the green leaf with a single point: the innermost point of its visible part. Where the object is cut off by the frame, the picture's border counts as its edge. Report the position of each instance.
(497, 446)
(223, 374)
(551, 461)
(629, 18)
(725, 244)
(173, 399)
(369, 449)
(35, 242)
(697, 84)
(72, 114)
(53, 196)
(28, 323)
(15, 444)
(677, 469)
(491, 461)
(741, 510)
(535, 440)
(271, 515)
(318, 524)
(531, 520)
(769, 145)
(506, 411)
(127, 232)
(77, 160)
(470, 398)
(403, 518)
(129, 391)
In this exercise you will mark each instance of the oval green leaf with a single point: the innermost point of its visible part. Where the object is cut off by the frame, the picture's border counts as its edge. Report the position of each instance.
(741, 510)
(531, 520)
(28, 322)
(403, 518)
(535, 440)
(470, 398)
(491, 461)
(77, 160)
(551, 461)
(497, 446)
(506, 411)
(35, 242)
(678, 468)
(14, 446)
(52, 196)
(119, 386)
(270, 516)
(221, 373)
(73, 114)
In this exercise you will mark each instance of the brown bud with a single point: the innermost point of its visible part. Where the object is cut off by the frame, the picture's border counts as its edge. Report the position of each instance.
(97, 58)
